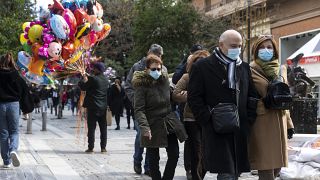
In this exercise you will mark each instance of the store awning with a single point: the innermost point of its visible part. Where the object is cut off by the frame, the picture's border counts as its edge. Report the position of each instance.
(311, 51)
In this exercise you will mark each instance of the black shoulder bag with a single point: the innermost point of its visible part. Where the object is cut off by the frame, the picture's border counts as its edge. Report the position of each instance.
(225, 116)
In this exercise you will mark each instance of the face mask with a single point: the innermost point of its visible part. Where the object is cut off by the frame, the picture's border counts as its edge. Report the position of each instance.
(155, 74)
(265, 54)
(234, 53)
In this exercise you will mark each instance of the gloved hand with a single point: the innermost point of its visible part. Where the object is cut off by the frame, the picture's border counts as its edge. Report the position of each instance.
(290, 133)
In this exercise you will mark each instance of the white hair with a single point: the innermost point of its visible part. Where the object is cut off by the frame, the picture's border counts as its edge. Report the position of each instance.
(227, 33)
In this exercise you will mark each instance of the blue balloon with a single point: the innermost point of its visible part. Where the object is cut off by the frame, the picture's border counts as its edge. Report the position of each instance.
(59, 27)
(23, 60)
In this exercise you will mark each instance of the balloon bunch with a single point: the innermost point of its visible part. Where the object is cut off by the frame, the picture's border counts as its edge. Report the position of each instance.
(110, 73)
(55, 43)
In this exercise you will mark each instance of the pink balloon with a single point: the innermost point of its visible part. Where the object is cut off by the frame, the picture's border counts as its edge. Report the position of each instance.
(54, 50)
(71, 21)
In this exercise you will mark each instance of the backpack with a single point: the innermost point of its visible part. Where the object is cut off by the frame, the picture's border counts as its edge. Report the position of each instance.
(278, 96)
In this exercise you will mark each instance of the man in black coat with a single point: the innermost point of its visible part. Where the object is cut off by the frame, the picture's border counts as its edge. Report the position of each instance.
(96, 103)
(216, 79)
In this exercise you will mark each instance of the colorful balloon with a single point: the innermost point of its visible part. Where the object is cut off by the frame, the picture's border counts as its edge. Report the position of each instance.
(67, 50)
(81, 16)
(25, 25)
(34, 33)
(71, 21)
(83, 30)
(56, 8)
(59, 27)
(24, 60)
(36, 66)
(98, 10)
(105, 32)
(54, 50)
(97, 26)
(23, 40)
(76, 56)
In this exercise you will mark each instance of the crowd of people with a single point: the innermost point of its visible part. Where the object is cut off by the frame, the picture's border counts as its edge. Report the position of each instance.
(215, 104)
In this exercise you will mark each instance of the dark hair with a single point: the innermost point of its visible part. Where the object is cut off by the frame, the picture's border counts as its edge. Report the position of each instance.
(155, 49)
(152, 59)
(7, 62)
(195, 47)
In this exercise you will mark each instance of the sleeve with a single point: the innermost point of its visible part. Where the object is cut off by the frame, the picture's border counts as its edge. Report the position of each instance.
(181, 86)
(128, 85)
(139, 109)
(180, 70)
(252, 101)
(26, 101)
(85, 85)
(196, 96)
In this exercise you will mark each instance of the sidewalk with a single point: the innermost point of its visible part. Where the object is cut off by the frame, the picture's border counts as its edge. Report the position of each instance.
(58, 153)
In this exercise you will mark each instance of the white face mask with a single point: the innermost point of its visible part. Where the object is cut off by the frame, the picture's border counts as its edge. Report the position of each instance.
(234, 53)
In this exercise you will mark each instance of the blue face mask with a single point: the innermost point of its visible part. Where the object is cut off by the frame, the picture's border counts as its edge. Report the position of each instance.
(234, 53)
(155, 74)
(265, 54)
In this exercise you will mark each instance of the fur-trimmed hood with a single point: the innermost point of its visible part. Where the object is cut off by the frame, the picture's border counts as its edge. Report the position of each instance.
(142, 78)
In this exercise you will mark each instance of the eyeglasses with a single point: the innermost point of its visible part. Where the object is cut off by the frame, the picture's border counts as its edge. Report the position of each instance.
(153, 69)
(269, 36)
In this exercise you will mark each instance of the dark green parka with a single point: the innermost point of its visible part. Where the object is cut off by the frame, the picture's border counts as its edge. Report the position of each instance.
(151, 105)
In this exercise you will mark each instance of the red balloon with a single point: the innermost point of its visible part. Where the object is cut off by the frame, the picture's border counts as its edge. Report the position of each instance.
(71, 21)
(67, 50)
(56, 8)
(81, 16)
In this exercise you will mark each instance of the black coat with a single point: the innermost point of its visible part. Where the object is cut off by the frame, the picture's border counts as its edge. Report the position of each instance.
(96, 92)
(206, 88)
(115, 99)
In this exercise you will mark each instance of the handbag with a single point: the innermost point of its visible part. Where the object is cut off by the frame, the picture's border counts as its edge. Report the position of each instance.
(109, 117)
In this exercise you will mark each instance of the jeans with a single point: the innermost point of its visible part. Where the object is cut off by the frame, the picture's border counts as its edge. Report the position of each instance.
(138, 150)
(95, 116)
(173, 156)
(194, 137)
(226, 176)
(9, 129)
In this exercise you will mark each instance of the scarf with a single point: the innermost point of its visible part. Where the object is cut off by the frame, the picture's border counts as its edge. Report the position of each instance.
(231, 67)
(270, 68)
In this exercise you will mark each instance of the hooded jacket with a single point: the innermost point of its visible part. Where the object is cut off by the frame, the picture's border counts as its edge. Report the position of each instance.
(151, 106)
(13, 88)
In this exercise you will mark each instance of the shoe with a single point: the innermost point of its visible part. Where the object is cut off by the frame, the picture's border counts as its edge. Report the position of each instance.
(137, 169)
(147, 173)
(254, 172)
(189, 175)
(128, 127)
(117, 128)
(89, 151)
(103, 150)
(15, 159)
(6, 166)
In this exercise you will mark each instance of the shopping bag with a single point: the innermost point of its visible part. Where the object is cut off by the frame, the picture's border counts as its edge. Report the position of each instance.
(109, 117)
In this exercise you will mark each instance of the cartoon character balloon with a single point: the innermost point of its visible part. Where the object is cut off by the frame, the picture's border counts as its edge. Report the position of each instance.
(59, 27)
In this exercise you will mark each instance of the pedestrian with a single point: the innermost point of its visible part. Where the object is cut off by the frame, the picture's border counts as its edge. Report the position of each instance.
(64, 98)
(55, 100)
(193, 127)
(151, 106)
(129, 110)
(95, 101)
(222, 81)
(179, 72)
(269, 135)
(157, 50)
(14, 93)
(115, 100)
(44, 94)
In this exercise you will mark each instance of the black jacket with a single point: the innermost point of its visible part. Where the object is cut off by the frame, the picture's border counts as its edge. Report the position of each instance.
(14, 88)
(207, 87)
(96, 92)
(115, 99)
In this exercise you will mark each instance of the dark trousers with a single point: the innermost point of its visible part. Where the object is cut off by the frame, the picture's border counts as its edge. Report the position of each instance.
(194, 137)
(117, 117)
(130, 112)
(95, 116)
(173, 156)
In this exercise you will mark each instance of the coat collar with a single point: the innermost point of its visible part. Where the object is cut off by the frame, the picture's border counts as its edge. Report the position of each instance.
(258, 70)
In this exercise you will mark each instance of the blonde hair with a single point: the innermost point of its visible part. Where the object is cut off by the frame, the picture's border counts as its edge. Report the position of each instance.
(195, 57)
(7, 62)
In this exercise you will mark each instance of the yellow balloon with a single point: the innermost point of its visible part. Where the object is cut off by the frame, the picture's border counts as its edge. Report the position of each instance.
(36, 66)
(77, 43)
(75, 57)
(35, 33)
(23, 40)
(24, 25)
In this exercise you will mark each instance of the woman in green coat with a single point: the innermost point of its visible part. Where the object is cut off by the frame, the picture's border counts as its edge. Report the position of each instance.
(151, 106)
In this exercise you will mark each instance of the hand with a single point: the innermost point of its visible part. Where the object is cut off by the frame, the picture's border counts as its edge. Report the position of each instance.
(290, 133)
(184, 93)
(148, 134)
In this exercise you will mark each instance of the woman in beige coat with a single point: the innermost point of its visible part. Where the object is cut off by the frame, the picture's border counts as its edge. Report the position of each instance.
(268, 140)
(192, 127)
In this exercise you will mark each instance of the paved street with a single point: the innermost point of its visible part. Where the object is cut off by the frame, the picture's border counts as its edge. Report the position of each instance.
(58, 153)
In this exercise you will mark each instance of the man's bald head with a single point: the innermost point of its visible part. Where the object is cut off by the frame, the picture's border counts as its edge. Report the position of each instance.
(230, 39)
